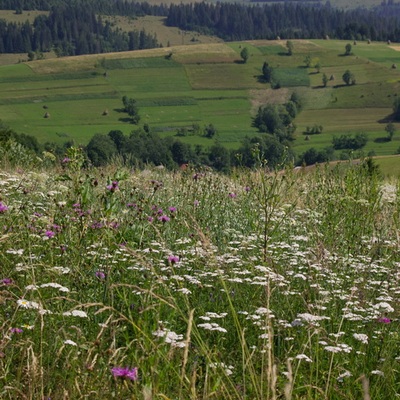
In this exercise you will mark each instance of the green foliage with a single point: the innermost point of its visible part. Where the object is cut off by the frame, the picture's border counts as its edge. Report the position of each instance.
(355, 142)
(290, 47)
(314, 156)
(307, 61)
(266, 72)
(101, 149)
(278, 119)
(244, 54)
(391, 130)
(131, 108)
(210, 131)
(349, 78)
(262, 150)
(324, 79)
(347, 49)
(396, 108)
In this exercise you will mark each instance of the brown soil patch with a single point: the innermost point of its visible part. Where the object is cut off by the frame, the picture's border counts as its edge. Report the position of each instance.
(260, 97)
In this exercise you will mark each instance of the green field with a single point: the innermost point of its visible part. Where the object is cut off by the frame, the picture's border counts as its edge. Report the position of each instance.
(203, 84)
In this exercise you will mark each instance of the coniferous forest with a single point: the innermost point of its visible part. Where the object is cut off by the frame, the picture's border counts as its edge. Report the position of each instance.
(76, 27)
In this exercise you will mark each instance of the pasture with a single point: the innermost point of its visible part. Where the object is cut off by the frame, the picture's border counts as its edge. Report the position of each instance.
(206, 83)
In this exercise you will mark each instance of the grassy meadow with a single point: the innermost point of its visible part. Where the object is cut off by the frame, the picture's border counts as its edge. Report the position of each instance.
(125, 284)
(206, 83)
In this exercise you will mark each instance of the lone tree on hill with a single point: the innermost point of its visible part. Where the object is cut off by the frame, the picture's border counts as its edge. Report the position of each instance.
(347, 51)
(267, 72)
(349, 78)
(324, 80)
(390, 129)
(289, 46)
(131, 109)
(396, 109)
(245, 54)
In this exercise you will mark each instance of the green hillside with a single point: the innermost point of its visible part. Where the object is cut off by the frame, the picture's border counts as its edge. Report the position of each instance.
(203, 84)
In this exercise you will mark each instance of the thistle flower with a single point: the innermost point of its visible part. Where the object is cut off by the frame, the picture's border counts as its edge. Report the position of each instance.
(173, 259)
(3, 208)
(125, 373)
(113, 187)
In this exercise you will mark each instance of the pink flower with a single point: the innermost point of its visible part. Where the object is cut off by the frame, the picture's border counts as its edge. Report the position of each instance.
(164, 218)
(3, 208)
(173, 259)
(125, 373)
(384, 320)
(50, 234)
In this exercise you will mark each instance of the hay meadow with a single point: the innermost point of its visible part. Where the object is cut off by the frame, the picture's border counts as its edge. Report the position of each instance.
(125, 284)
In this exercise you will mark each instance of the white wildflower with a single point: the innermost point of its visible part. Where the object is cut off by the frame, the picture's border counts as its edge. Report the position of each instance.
(70, 342)
(361, 337)
(303, 357)
(212, 327)
(28, 304)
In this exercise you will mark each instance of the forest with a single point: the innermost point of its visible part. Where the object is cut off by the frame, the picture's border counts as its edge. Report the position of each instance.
(74, 28)
(70, 30)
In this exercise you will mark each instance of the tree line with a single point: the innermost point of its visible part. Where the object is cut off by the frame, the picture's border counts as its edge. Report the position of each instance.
(70, 30)
(287, 20)
(73, 27)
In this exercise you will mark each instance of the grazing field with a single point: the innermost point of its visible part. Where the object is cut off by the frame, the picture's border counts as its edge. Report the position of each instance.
(207, 83)
(128, 284)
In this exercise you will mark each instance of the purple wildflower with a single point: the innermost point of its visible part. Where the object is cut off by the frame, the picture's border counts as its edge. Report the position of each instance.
(172, 209)
(3, 207)
(50, 234)
(7, 281)
(384, 320)
(150, 219)
(247, 189)
(173, 259)
(113, 187)
(164, 218)
(16, 330)
(100, 274)
(232, 195)
(125, 373)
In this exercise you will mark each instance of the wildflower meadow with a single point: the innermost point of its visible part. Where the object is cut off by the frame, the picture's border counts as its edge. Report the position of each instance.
(126, 284)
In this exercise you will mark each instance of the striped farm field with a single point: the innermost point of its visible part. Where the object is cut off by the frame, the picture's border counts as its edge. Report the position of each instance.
(206, 83)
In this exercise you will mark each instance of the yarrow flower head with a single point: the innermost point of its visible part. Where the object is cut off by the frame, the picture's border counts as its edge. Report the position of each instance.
(125, 373)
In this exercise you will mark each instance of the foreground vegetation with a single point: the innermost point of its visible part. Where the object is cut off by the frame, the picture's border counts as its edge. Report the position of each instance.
(122, 284)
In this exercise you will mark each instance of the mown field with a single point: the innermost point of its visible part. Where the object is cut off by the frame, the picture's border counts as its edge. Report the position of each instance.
(203, 84)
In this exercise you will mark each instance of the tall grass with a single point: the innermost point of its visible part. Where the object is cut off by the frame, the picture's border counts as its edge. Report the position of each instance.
(259, 285)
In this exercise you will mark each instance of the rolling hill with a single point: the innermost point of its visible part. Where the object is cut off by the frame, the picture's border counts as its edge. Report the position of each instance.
(201, 84)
